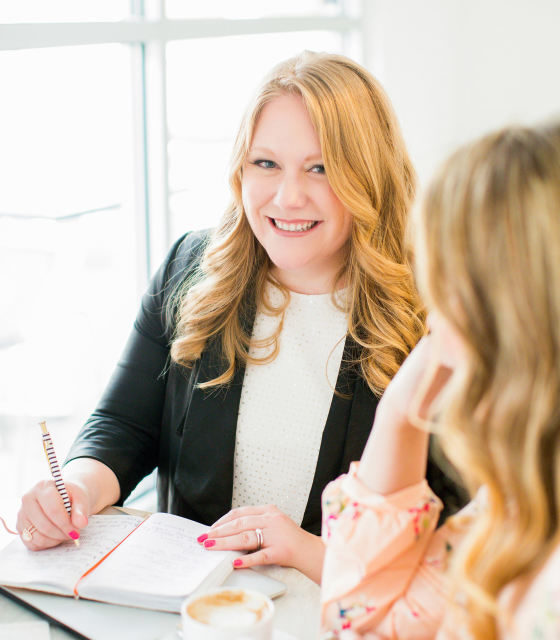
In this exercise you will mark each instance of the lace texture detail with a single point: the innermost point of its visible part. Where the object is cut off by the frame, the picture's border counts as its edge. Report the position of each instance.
(285, 404)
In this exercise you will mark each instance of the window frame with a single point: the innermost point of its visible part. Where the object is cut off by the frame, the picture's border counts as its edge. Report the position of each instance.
(148, 31)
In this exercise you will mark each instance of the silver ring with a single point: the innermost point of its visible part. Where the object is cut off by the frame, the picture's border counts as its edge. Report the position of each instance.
(27, 533)
(260, 538)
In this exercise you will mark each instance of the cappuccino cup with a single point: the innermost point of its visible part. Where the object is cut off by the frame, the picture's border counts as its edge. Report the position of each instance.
(227, 614)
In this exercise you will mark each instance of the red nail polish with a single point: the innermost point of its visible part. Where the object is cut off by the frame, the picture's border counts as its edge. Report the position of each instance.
(202, 538)
(237, 562)
(209, 543)
(74, 535)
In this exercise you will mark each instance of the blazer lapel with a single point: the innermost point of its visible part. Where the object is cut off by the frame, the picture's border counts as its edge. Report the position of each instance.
(345, 434)
(204, 470)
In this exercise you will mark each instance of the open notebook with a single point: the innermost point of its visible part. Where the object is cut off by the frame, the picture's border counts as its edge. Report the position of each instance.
(152, 563)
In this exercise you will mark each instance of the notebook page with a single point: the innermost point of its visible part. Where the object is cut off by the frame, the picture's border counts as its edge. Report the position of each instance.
(58, 569)
(162, 558)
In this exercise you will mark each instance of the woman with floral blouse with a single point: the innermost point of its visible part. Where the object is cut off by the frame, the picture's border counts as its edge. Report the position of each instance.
(487, 380)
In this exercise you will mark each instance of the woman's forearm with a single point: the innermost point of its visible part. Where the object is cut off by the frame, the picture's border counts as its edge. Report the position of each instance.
(310, 557)
(395, 455)
(96, 479)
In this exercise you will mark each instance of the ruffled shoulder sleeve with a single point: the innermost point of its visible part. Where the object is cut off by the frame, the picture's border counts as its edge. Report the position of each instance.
(385, 567)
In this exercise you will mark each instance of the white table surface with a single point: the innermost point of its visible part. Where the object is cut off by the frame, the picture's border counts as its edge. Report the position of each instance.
(296, 612)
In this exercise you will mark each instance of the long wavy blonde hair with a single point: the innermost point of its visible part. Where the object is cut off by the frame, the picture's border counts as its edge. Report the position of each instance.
(368, 168)
(488, 259)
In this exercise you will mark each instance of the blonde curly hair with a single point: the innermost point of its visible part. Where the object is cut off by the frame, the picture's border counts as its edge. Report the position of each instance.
(488, 260)
(368, 168)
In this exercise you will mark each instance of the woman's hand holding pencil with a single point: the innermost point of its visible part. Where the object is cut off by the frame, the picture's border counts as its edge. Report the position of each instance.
(43, 509)
(53, 510)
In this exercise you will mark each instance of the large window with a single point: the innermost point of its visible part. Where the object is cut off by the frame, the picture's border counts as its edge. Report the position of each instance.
(116, 122)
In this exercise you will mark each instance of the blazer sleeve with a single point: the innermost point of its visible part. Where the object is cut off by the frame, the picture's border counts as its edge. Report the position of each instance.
(123, 432)
(384, 574)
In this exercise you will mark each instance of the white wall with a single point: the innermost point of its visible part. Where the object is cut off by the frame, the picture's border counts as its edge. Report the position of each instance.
(455, 69)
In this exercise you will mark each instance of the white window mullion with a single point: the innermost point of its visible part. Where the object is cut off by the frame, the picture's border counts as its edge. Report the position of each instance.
(157, 160)
(140, 168)
(34, 36)
(155, 92)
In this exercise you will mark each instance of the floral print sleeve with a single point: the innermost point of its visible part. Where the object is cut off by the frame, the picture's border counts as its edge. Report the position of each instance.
(538, 616)
(546, 625)
(385, 569)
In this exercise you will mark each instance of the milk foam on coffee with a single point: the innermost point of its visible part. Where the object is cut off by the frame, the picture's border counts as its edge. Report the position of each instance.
(228, 609)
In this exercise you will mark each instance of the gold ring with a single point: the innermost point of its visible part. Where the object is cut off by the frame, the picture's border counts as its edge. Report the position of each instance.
(27, 533)
(260, 538)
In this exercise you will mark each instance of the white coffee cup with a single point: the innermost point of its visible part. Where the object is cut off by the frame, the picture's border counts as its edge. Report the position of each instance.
(227, 614)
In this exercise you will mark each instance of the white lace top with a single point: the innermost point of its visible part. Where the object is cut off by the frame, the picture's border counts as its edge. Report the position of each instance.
(285, 404)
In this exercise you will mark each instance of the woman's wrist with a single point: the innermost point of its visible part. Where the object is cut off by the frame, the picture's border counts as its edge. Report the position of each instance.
(96, 481)
(309, 556)
(395, 455)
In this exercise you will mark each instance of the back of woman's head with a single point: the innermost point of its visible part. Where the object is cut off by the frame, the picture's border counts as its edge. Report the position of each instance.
(488, 259)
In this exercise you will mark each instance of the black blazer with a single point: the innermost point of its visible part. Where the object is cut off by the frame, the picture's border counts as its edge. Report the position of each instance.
(153, 414)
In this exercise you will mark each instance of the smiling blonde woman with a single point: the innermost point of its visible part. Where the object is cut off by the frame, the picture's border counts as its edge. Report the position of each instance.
(261, 348)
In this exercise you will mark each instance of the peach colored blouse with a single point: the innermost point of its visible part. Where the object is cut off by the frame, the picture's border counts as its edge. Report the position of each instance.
(385, 569)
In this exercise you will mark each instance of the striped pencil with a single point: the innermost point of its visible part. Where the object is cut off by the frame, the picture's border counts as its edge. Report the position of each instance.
(55, 469)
